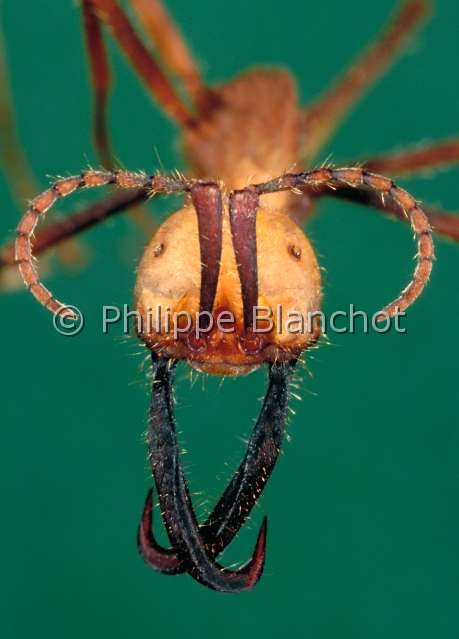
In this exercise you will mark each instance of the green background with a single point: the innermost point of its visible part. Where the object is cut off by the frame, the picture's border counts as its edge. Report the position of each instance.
(363, 507)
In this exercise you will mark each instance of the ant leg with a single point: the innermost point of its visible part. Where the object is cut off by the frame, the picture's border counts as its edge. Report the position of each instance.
(331, 181)
(443, 223)
(53, 234)
(242, 493)
(172, 48)
(101, 81)
(323, 116)
(421, 158)
(14, 162)
(109, 13)
(402, 163)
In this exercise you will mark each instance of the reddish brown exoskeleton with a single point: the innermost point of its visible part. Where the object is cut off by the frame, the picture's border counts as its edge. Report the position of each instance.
(234, 246)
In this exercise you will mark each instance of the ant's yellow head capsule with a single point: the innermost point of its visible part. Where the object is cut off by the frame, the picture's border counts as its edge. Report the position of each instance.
(239, 331)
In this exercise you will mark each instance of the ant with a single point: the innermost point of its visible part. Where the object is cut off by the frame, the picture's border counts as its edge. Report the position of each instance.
(236, 244)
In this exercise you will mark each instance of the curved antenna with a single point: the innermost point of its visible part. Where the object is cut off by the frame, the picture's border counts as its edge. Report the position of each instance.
(62, 188)
(206, 198)
(325, 180)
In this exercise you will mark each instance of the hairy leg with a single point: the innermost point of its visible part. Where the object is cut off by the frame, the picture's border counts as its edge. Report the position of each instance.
(171, 47)
(443, 223)
(15, 164)
(109, 13)
(323, 116)
(421, 158)
(52, 235)
(402, 163)
(101, 81)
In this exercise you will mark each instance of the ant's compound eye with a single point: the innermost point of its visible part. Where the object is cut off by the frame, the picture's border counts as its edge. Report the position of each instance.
(158, 249)
(295, 251)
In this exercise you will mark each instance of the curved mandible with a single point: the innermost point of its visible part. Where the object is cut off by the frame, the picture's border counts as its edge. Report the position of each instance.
(243, 491)
(177, 512)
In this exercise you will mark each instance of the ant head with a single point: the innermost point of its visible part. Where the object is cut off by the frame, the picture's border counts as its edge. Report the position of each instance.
(227, 286)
